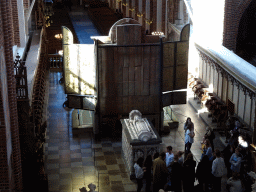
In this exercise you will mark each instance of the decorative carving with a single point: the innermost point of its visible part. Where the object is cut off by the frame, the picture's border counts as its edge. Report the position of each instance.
(224, 73)
(20, 72)
(139, 127)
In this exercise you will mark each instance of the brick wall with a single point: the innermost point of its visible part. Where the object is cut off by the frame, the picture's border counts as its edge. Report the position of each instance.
(15, 23)
(7, 26)
(185, 13)
(26, 4)
(163, 14)
(234, 10)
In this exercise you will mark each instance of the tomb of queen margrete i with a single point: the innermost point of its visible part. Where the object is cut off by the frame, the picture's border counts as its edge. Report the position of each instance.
(139, 139)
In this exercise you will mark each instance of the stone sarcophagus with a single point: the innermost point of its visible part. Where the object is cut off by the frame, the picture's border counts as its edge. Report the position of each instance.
(139, 139)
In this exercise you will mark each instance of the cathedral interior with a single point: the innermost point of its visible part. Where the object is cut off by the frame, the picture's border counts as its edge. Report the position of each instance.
(74, 71)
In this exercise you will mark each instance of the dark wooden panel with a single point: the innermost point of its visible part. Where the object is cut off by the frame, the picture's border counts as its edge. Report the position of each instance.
(138, 56)
(125, 74)
(146, 61)
(168, 54)
(174, 98)
(131, 88)
(132, 63)
(167, 79)
(125, 105)
(182, 65)
(126, 55)
(138, 80)
(145, 88)
(120, 89)
(125, 88)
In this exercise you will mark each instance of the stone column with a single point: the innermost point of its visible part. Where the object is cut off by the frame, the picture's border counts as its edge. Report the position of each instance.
(140, 19)
(147, 16)
(159, 16)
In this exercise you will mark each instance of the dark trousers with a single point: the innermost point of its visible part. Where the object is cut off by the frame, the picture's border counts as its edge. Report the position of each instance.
(216, 184)
(188, 147)
(139, 184)
(157, 186)
(188, 185)
(148, 182)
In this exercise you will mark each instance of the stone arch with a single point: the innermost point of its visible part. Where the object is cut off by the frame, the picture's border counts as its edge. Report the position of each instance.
(112, 31)
(233, 15)
(246, 40)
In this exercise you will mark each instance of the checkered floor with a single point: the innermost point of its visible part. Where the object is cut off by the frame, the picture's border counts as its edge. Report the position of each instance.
(73, 158)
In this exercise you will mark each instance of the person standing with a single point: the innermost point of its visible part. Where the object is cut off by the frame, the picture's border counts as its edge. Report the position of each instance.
(169, 156)
(203, 173)
(189, 173)
(235, 161)
(210, 135)
(189, 138)
(160, 172)
(139, 173)
(147, 172)
(208, 150)
(181, 159)
(218, 167)
(188, 123)
(176, 174)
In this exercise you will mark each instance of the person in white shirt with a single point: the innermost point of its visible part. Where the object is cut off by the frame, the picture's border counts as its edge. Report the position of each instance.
(139, 173)
(234, 183)
(169, 156)
(189, 138)
(218, 167)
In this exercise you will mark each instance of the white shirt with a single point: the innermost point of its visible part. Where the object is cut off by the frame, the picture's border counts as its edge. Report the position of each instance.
(188, 138)
(218, 167)
(138, 171)
(169, 158)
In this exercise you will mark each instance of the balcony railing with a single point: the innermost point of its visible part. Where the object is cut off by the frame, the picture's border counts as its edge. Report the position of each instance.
(55, 61)
(237, 70)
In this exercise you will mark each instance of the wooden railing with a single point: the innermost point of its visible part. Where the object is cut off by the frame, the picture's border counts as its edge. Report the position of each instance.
(55, 61)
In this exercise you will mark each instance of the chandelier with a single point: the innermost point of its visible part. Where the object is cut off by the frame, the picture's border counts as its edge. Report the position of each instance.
(157, 33)
(58, 36)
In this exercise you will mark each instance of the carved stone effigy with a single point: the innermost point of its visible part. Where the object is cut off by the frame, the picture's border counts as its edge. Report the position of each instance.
(139, 139)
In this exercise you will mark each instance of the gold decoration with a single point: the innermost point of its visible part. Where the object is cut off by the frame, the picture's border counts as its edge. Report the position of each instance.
(139, 14)
(148, 21)
(125, 4)
(132, 9)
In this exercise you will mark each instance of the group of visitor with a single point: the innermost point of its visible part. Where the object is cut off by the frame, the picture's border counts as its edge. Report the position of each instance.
(169, 172)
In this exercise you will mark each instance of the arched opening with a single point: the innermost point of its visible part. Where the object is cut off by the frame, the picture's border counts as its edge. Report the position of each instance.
(246, 38)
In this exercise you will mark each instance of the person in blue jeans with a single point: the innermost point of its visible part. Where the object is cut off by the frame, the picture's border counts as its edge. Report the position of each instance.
(189, 138)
